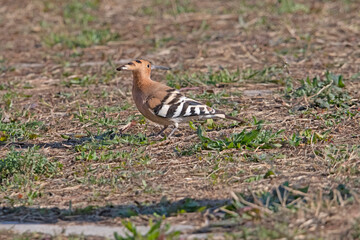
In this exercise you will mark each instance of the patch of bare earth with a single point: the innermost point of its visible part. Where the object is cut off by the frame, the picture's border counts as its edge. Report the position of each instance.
(75, 92)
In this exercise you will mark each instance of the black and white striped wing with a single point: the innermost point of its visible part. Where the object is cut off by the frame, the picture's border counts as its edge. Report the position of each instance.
(179, 108)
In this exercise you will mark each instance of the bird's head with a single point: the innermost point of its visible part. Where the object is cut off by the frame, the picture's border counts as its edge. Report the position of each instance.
(140, 66)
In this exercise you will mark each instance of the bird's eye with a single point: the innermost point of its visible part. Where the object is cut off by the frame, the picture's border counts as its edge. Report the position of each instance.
(148, 65)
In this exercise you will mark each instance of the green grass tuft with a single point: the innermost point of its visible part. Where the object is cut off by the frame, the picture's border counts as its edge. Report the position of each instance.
(324, 93)
(79, 12)
(342, 158)
(170, 7)
(257, 138)
(156, 231)
(79, 31)
(20, 166)
(290, 6)
(16, 131)
(84, 38)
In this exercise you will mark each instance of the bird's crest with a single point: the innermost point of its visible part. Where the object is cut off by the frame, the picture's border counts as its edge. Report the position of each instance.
(139, 65)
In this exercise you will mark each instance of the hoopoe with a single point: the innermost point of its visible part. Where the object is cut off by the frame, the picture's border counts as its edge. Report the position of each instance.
(162, 104)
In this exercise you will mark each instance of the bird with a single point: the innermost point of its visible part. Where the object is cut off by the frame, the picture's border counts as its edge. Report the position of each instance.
(162, 104)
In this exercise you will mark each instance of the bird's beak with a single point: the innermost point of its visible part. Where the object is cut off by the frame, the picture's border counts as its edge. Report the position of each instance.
(160, 67)
(123, 67)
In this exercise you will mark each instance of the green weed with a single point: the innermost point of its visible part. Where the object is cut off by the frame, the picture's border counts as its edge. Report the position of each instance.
(102, 157)
(254, 178)
(321, 93)
(269, 74)
(308, 136)
(4, 68)
(212, 98)
(79, 12)
(138, 139)
(263, 157)
(273, 74)
(156, 231)
(161, 42)
(81, 81)
(84, 38)
(10, 96)
(8, 99)
(6, 86)
(335, 117)
(101, 116)
(77, 16)
(355, 233)
(20, 166)
(172, 7)
(127, 157)
(214, 125)
(16, 131)
(342, 158)
(64, 95)
(181, 6)
(252, 139)
(149, 188)
(188, 151)
(290, 6)
(96, 142)
(98, 148)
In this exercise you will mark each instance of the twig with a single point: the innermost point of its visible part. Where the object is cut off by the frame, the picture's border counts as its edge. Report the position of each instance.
(319, 204)
(279, 196)
(242, 200)
(229, 212)
(292, 32)
(321, 90)
(127, 126)
(312, 146)
(295, 191)
(248, 53)
(338, 194)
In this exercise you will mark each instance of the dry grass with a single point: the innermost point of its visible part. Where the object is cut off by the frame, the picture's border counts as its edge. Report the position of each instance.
(60, 91)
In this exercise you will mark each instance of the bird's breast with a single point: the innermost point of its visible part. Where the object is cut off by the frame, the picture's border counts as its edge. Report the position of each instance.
(140, 102)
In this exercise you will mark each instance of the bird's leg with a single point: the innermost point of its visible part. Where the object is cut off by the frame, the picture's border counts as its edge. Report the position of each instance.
(176, 125)
(161, 131)
(157, 134)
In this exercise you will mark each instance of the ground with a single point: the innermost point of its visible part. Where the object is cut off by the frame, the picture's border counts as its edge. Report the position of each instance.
(75, 150)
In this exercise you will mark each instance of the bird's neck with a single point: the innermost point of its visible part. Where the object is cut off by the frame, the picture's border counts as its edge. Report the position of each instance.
(141, 79)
